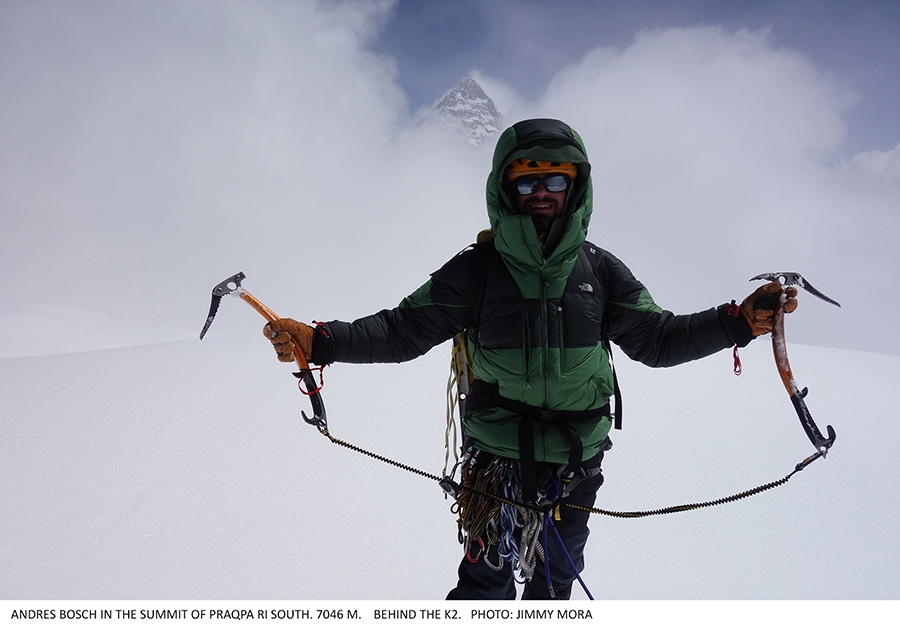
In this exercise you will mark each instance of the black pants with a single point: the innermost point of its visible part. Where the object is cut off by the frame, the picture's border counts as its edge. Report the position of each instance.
(479, 581)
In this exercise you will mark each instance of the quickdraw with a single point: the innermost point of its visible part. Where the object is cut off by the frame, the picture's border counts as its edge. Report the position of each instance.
(484, 521)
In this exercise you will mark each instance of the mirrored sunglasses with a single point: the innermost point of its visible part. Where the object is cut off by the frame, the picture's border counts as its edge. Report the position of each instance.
(553, 183)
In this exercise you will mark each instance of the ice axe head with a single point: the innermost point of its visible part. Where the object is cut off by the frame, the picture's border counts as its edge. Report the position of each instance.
(795, 279)
(230, 285)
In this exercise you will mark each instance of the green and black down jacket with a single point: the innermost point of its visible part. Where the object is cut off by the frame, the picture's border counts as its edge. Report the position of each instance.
(542, 307)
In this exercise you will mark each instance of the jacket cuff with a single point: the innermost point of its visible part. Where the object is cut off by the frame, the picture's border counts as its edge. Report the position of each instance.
(322, 345)
(735, 323)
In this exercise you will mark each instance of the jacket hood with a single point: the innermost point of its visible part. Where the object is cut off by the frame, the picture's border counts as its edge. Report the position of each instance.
(515, 236)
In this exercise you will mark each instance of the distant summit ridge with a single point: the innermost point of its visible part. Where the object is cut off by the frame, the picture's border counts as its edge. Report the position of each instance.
(468, 110)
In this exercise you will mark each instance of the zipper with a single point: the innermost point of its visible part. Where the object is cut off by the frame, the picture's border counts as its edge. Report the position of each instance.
(545, 336)
(526, 347)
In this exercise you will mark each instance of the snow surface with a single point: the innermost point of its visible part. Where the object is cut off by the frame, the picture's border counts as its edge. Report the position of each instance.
(182, 470)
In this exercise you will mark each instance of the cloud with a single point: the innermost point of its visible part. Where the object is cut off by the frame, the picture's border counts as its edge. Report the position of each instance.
(714, 157)
(152, 149)
(879, 164)
(148, 144)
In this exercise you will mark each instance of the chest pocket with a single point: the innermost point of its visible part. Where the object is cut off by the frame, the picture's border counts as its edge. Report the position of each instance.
(581, 307)
(504, 317)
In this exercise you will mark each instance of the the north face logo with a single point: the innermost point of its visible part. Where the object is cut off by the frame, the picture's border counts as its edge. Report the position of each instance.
(586, 287)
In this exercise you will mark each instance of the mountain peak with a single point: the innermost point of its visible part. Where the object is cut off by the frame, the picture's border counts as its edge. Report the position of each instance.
(468, 110)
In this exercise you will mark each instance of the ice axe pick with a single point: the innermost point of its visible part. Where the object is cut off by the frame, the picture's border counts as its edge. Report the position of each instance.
(232, 286)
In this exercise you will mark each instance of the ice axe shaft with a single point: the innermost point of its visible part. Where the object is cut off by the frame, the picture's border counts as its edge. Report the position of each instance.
(232, 285)
(270, 316)
(779, 347)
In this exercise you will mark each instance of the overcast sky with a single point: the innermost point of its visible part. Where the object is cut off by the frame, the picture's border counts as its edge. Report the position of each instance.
(148, 150)
(526, 42)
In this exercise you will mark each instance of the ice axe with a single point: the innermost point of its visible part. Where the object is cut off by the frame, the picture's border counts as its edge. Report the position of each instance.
(798, 396)
(232, 286)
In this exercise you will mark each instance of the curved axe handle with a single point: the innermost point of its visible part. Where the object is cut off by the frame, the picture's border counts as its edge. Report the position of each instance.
(797, 395)
(271, 316)
(305, 374)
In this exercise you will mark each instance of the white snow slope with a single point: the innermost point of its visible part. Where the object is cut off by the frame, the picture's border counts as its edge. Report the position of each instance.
(182, 470)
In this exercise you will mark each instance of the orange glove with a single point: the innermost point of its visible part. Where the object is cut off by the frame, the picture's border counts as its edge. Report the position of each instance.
(759, 308)
(286, 334)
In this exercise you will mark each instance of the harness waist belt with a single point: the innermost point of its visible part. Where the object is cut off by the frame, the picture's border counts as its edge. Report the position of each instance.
(483, 395)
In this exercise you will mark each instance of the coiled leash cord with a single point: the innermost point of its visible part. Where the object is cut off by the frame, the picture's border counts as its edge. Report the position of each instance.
(506, 506)
(453, 488)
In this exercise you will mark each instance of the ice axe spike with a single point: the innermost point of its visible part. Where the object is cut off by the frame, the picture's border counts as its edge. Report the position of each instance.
(232, 285)
(779, 346)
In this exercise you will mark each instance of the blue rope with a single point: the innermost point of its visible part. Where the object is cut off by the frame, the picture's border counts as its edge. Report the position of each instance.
(547, 555)
(548, 522)
(552, 493)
